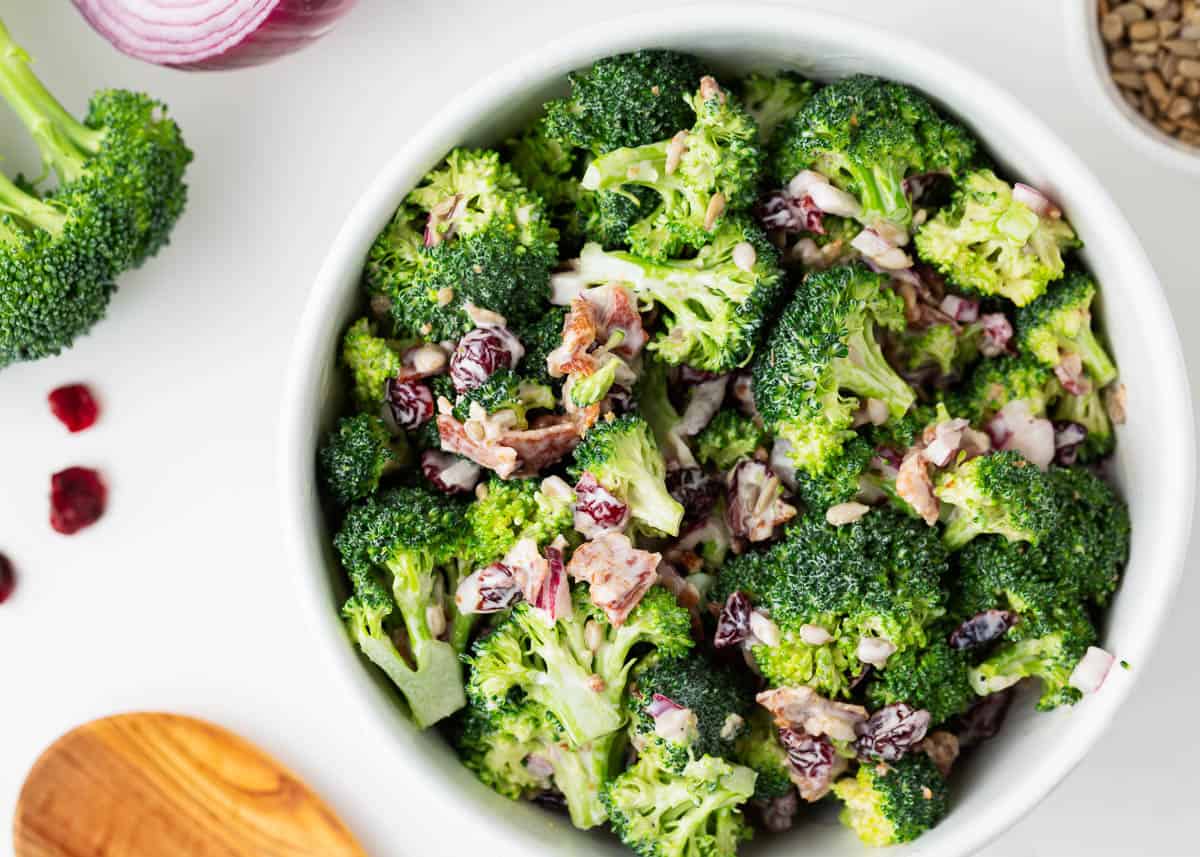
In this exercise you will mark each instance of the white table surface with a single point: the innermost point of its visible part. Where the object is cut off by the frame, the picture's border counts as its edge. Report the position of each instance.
(181, 598)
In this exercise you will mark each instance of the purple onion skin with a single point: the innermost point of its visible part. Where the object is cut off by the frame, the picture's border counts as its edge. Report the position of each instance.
(289, 26)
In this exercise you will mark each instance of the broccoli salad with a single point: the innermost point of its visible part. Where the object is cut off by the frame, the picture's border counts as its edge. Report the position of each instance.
(717, 447)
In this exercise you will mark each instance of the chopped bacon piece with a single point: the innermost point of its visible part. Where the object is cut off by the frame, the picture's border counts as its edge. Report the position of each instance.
(1069, 372)
(490, 453)
(915, 488)
(513, 452)
(804, 709)
(619, 574)
(615, 310)
(580, 330)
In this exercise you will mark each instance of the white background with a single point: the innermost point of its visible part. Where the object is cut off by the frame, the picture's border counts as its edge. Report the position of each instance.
(180, 599)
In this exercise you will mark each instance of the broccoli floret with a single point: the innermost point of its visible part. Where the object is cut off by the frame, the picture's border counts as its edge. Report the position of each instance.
(372, 362)
(586, 390)
(119, 192)
(528, 656)
(893, 803)
(774, 98)
(607, 216)
(469, 232)
(718, 696)
(990, 243)
(1059, 323)
(713, 307)
(1000, 493)
(505, 390)
(498, 746)
(995, 383)
(623, 456)
(729, 436)
(695, 813)
(878, 577)
(540, 336)
(759, 749)
(401, 550)
(721, 158)
(513, 509)
(840, 481)
(867, 135)
(356, 454)
(945, 347)
(1088, 410)
(626, 100)
(933, 678)
(824, 344)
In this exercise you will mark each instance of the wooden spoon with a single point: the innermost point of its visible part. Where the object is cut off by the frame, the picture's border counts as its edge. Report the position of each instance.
(162, 785)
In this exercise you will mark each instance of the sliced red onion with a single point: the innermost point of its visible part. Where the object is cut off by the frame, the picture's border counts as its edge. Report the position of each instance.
(997, 332)
(1067, 438)
(450, 473)
(211, 34)
(703, 405)
(887, 255)
(1031, 436)
(554, 597)
(660, 705)
(947, 438)
(960, 308)
(733, 624)
(1037, 201)
(1092, 669)
(790, 214)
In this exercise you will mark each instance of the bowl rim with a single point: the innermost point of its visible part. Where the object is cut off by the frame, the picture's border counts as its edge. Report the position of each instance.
(295, 457)
(1093, 75)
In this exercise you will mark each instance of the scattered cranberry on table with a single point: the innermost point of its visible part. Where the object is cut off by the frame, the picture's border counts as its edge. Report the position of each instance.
(75, 406)
(77, 497)
(8, 578)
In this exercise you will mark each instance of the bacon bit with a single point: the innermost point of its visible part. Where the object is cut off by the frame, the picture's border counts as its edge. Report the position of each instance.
(716, 207)
(1114, 402)
(616, 312)
(618, 573)
(493, 456)
(1069, 372)
(709, 88)
(942, 441)
(915, 488)
(675, 151)
(804, 709)
(942, 749)
(520, 452)
(579, 333)
(539, 447)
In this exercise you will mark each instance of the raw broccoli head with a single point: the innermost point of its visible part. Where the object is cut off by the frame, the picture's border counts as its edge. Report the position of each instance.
(1001, 493)
(719, 696)
(879, 577)
(995, 383)
(540, 336)
(529, 657)
(695, 813)
(933, 678)
(511, 510)
(505, 390)
(759, 749)
(356, 455)
(1060, 323)
(120, 190)
(729, 436)
(626, 100)
(624, 457)
(823, 346)
(1088, 410)
(772, 99)
(945, 347)
(840, 481)
(510, 750)
(867, 135)
(992, 244)
(893, 803)
(470, 231)
(372, 362)
(720, 158)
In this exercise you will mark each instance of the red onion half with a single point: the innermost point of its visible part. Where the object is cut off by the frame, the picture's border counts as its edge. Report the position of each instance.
(211, 34)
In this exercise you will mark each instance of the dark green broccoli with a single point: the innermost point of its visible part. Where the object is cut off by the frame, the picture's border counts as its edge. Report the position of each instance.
(933, 678)
(521, 752)
(867, 136)
(624, 457)
(995, 383)
(372, 362)
(1059, 324)
(893, 803)
(469, 232)
(987, 242)
(840, 481)
(551, 663)
(1000, 493)
(626, 100)
(949, 348)
(824, 345)
(719, 698)
(1088, 410)
(772, 99)
(759, 749)
(714, 171)
(401, 551)
(695, 813)
(729, 436)
(357, 453)
(540, 336)
(714, 304)
(119, 192)
(512, 509)
(827, 588)
(505, 390)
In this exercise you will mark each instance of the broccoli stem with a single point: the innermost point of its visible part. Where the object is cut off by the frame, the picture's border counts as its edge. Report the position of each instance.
(882, 195)
(65, 143)
(865, 372)
(570, 692)
(579, 773)
(1095, 359)
(29, 209)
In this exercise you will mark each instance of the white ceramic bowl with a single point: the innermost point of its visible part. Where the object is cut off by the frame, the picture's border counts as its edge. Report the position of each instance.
(1154, 464)
(1091, 69)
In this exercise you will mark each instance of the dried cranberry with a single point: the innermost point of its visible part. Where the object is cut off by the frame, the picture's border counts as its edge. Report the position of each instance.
(597, 510)
(488, 590)
(733, 625)
(984, 718)
(8, 578)
(450, 473)
(1067, 438)
(891, 732)
(410, 402)
(695, 490)
(74, 406)
(77, 497)
(775, 814)
(480, 354)
(808, 753)
(982, 628)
